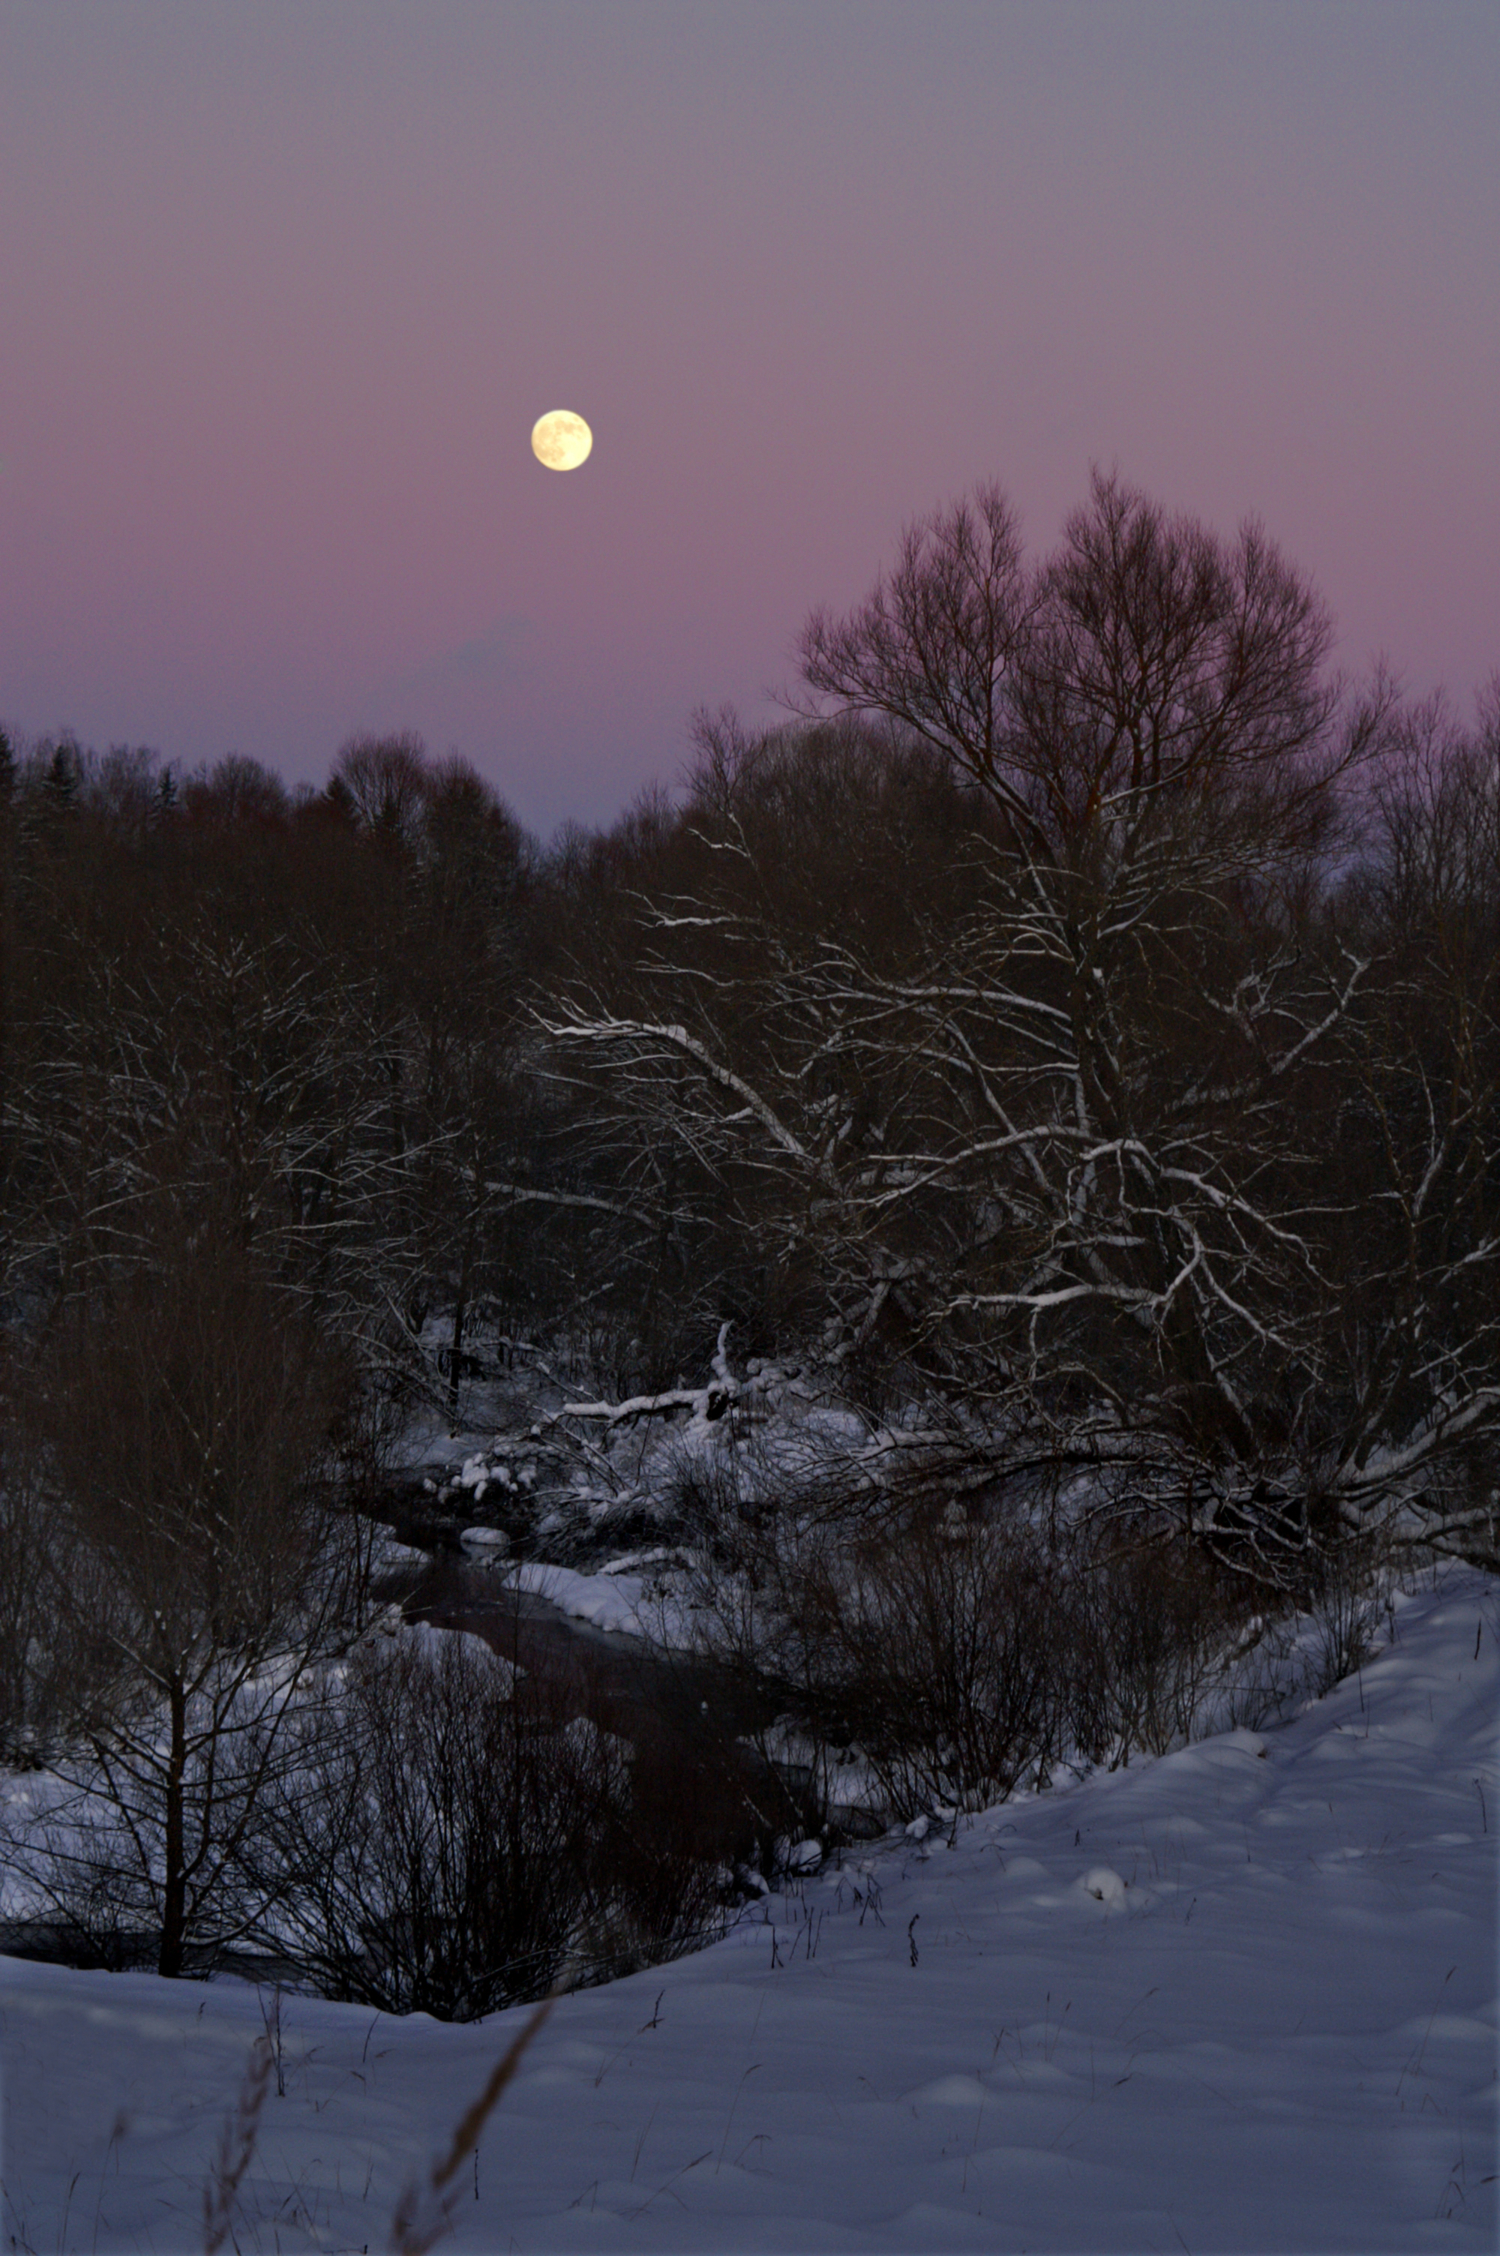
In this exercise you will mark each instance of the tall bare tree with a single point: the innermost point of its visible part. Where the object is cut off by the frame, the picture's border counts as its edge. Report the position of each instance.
(184, 1418)
(1067, 1140)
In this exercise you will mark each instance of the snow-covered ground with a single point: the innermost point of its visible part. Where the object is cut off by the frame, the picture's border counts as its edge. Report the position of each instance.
(1243, 1997)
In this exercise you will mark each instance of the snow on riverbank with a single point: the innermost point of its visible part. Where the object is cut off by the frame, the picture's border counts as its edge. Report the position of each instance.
(608, 1601)
(1240, 1998)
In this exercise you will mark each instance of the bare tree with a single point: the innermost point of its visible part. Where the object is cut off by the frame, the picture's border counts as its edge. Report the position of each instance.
(1065, 1139)
(1408, 1397)
(385, 781)
(1144, 664)
(190, 1028)
(184, 1417)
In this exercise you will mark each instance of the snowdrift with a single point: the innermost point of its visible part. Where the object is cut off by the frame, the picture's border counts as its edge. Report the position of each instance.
(1243, 1997)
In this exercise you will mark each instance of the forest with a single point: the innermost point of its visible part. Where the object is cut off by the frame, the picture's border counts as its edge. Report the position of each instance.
(989, 1187)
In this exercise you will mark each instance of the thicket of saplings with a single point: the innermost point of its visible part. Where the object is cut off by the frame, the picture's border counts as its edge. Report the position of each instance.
(958, 1646)
(1071, 1044)
(234, 1756)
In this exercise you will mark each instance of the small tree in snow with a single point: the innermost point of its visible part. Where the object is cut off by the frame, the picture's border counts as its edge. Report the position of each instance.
(184, 1414)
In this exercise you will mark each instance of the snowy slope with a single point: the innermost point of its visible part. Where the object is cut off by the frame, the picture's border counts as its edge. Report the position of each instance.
(1240, 1998)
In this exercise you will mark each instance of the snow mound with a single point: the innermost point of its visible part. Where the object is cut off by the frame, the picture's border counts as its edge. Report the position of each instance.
(484, 1544)
(1289, 2044)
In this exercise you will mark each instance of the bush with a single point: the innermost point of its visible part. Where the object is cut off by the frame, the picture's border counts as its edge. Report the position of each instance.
(1148, 1619)
(963, 1644)
(1345, 1596)
(455, 1840)
(930, 1636)
(945, 1636)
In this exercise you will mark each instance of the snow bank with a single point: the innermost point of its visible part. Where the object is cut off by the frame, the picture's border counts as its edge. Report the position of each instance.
(1274, 2028)
(611, 1601)
(640, 1603)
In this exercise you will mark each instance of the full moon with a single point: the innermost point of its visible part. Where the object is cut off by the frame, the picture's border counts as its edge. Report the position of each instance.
(561, 440)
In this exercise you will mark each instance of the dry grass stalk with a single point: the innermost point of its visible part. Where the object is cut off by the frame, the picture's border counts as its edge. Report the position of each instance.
(236, 2147)
(422, 2216)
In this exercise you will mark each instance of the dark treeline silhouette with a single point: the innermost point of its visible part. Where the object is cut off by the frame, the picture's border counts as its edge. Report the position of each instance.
(1085, 1012)
(1078, 1023)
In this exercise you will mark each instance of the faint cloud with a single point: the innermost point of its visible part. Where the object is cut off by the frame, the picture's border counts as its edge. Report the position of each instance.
(494, 653)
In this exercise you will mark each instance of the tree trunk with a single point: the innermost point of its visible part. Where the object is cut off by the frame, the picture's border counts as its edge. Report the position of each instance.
(460, 1311)
(174, 1878)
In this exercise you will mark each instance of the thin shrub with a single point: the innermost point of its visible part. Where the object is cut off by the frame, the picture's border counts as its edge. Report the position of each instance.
(1345, 1596)
(46, 1661)
(962, 1644)
(1147, 1621)
(919, 1637)
(947, 1633)
(457, 1838)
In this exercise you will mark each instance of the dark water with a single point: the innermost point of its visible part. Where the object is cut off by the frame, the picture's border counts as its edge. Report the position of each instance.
(685, 1713)
(694, 1775)
(622, 1683)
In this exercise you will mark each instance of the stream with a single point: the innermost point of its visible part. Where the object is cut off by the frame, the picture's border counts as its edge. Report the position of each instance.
(620, 1682)
(691, 1715)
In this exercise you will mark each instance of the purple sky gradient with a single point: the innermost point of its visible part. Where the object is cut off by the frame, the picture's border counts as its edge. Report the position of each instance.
(284, 287)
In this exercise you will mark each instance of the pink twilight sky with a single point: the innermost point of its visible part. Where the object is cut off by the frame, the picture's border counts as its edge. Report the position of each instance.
(286, 282)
